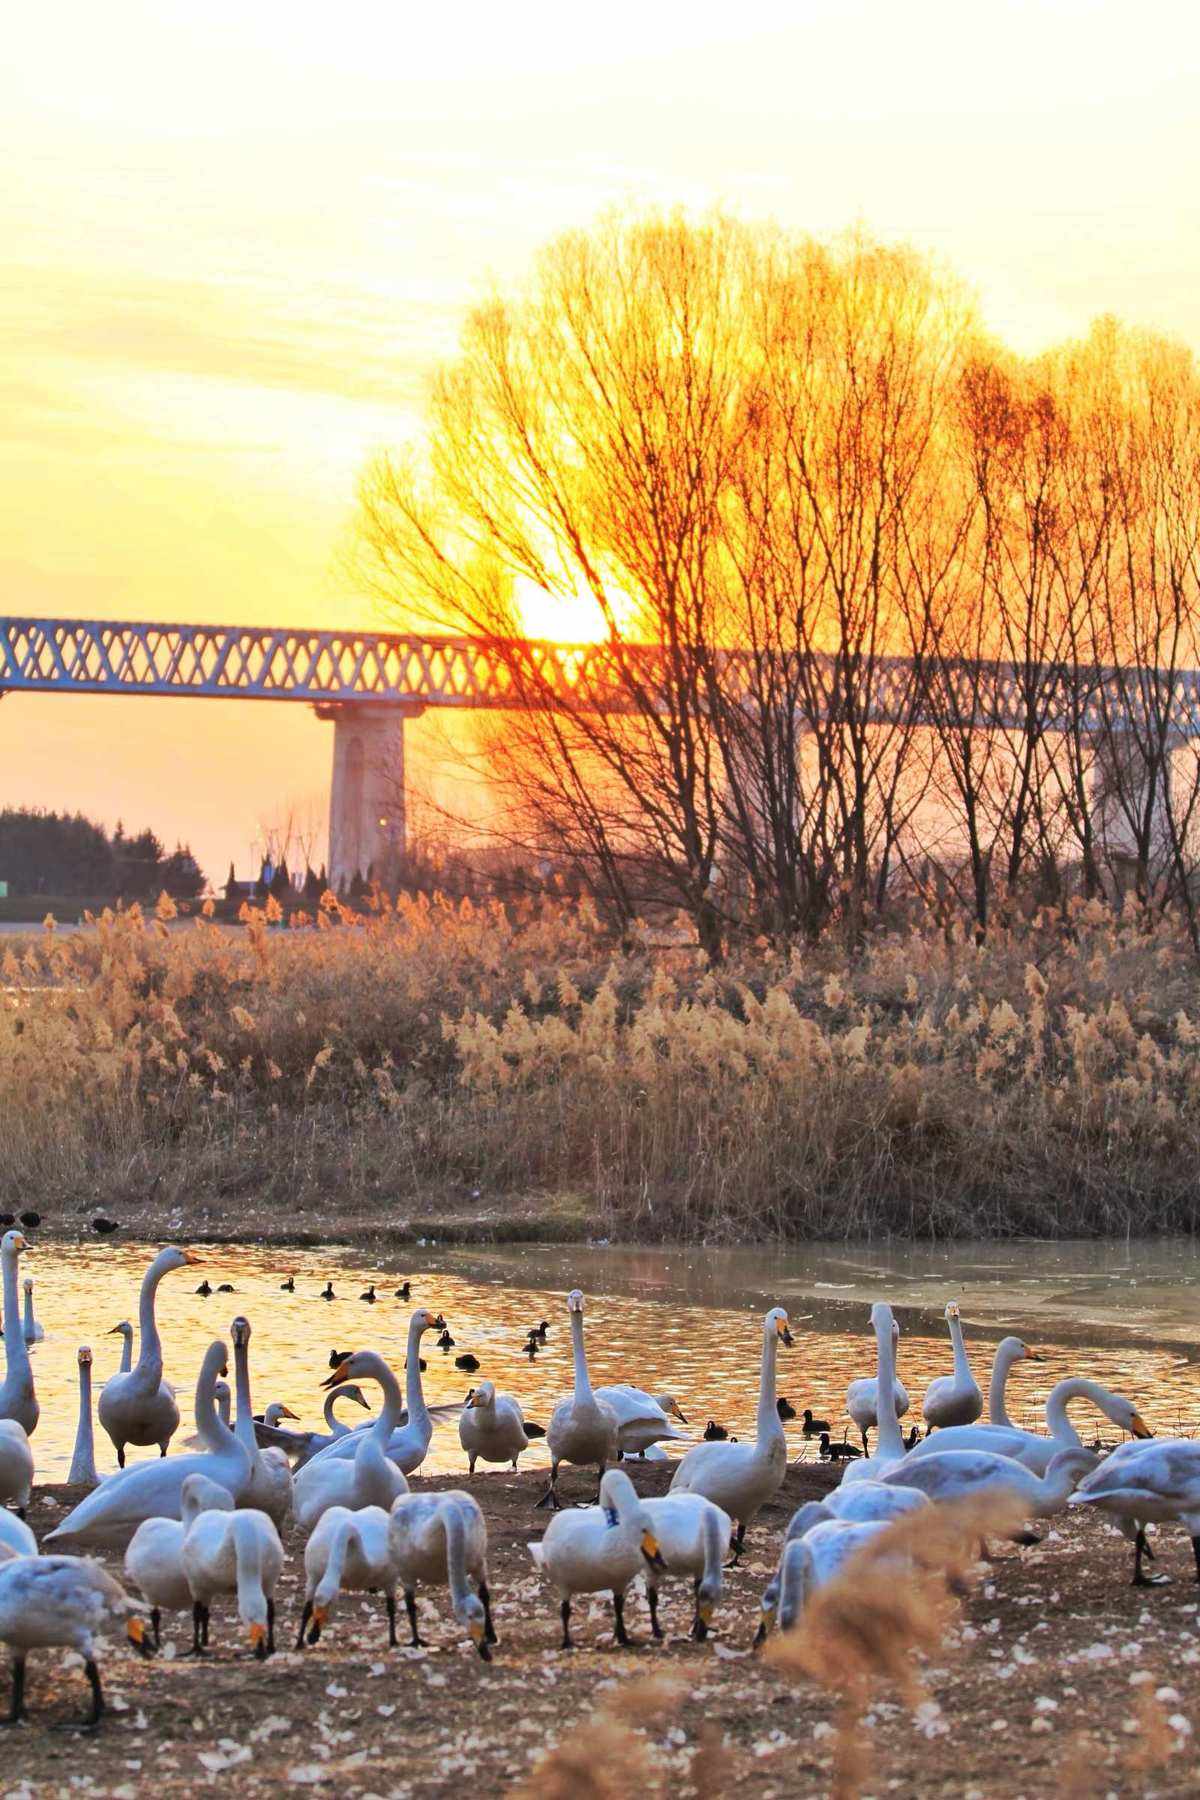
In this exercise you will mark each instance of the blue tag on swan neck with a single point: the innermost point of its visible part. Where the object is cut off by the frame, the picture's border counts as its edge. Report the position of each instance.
(610, 1513)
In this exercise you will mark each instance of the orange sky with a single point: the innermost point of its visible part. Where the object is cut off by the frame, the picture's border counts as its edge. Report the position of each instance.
(237, 237)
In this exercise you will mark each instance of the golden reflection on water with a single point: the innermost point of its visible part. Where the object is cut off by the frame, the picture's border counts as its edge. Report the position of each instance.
(707, 1356)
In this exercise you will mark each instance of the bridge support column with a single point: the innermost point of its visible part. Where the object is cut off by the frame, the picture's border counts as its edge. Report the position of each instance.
(367, 796)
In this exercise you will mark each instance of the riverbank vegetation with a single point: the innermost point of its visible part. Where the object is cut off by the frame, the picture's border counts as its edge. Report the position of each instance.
(1046, 1081)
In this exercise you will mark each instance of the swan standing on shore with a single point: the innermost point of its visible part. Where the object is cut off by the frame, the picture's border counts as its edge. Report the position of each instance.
(47, 1601)
(347, 1552)
(18, 1399)
(741, 1478)
(954, 1474)
(491, 1428)
(412, 1429)
(1033, 1448)
(582, 1428)
(154, 1559)
(693, 1538)
(442, 1539)
(139, 1408)
(369, 1477)
(234, 1553)
(597, 1549)
(29, 1325)
(889, 1440)
(862, 1398)
(83, 1457)
(1143, 1484)
(110, 1515)
(953, 1399)
(269, 1488)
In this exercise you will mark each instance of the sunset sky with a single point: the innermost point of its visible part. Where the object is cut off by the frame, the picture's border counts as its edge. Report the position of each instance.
(238, 237)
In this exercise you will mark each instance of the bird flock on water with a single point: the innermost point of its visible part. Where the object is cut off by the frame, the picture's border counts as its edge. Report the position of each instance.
(204, 1524)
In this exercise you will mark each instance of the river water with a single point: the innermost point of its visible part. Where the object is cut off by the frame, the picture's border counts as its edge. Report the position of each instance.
(683, 1321)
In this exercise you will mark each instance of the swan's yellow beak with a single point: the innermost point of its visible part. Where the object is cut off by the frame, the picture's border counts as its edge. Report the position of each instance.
(339, 1375)
(675, 1412)
(704, 1611)
(651, 1551)
(115, 1332)
(189, 1256)
(136, 1633)
(258, 1639)
(475, 1631)
(474, 1398)
(285, 1412)
(320, 1614)
(20, 1243)
(1034, 1355)
(781, 1327)
(1139, 1427)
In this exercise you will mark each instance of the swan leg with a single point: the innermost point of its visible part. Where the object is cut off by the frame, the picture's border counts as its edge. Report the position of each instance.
(1196, 1554)
(156, 1626)
(1140, 1549)
(93, 1718)
(393, 1640)
(16, 1712)
(471, 1461)
(619, 1631)
(550, 1497)
(652, 1599)
(410, 1607)
(599, 1480)
(270, 1626)
(760, 1636)
(739, 1544)
(120, 1456)
(565, 1611)
(489, 1629)
(163, 1447)
(866, 1451)
(305, 1616)
(199, 1630)
(699, 1628)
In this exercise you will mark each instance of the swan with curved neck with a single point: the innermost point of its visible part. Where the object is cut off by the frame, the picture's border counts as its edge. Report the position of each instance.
(18, 1399)
(953, 1399)
(302, 1446)
(409, 1441)
(83, 1457)
(889, 1439)
(153, 1561)
(741, 1478)
(368, 1477)
(270, 1485)
(582, 1428)
(139, 1408)
(347, 1552)
(442, 1539)
(1009, 1352)
(1031, 1447)
(107, 1518)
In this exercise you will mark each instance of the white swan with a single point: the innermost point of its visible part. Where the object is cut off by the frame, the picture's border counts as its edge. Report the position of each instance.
(442, 1539)
(1033, 1448)
(953, 1399)
(872, 1502)
(412, 1430)
(139, 1408)
(582, 1429)
(491, 1428)
(18, 1399)
(1009, 1351)
(1141, 1484)
(61, 1600)
(693, 1538)
(83, 1457)
(16, 1539)
(125, 1332)
(889, 1440)
(234, 1553)
(741, 1478)
(302, 1446)
(347, 1552)
(32, 1330)
(814, 1552)
(642, 1419)
(954, 1474)
(269, 1488)
(862, 1396)
(110, 1515)
(369, 1477)
(16, 1466)
(596, 1549)
(154, 1559)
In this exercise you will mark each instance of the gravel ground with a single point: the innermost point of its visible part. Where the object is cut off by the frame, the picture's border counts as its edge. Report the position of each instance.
(1060, 1679)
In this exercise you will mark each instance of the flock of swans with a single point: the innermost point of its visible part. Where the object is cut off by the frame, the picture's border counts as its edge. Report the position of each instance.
(206, 1523)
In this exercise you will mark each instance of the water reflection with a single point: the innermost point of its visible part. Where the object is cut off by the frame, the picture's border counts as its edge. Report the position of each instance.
(678, 1321)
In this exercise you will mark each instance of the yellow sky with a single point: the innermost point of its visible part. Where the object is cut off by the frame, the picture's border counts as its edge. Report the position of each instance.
(237, 236)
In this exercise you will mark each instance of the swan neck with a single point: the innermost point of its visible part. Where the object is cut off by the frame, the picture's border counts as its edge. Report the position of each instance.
(149, 1362)
(1002, 1365)
(794, 1576)
(962, 1368)
(344, 1535)
(889, 1440)
(248, 1550)
(126, 1353)
(16, 1355)
(414, 1392)
(83, 1457)
(768, 1424)
(456, 1554)
(244, 1426)
(583, 1385)
(29, 1310)
(1059, 1398)
(211, 1427)
(389, 1412)
(331, 1401)
(714, 1548)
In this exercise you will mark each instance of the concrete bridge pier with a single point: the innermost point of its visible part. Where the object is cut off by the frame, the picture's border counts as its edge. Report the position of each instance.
(367, 799)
